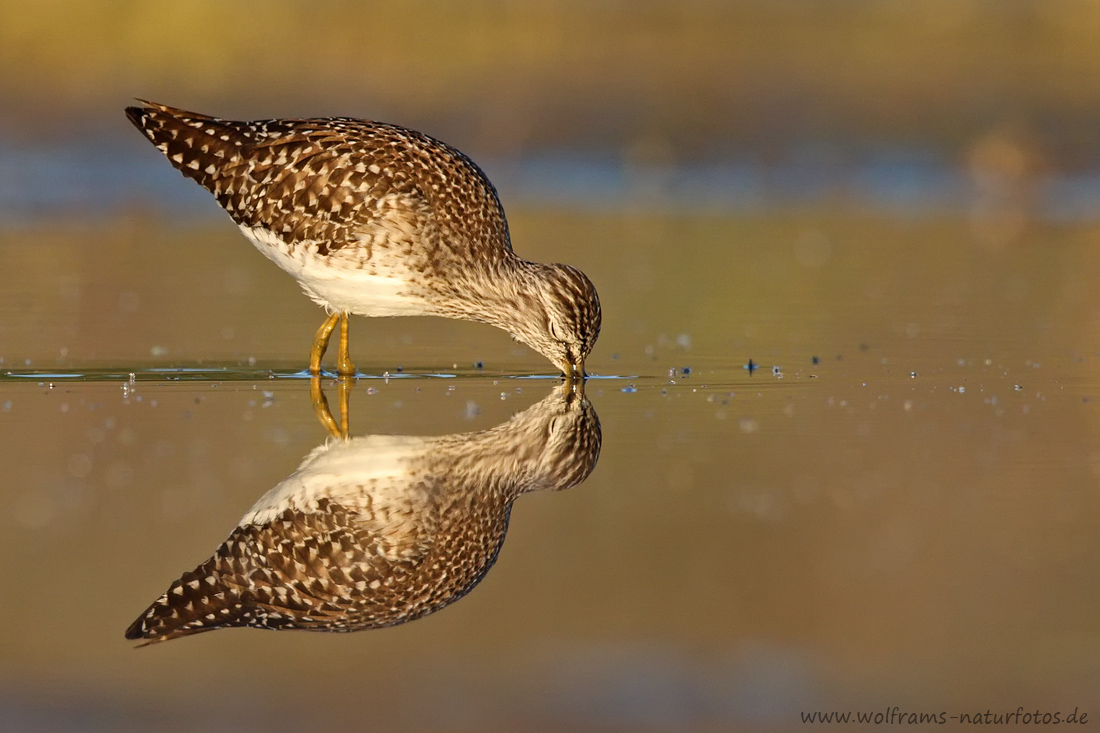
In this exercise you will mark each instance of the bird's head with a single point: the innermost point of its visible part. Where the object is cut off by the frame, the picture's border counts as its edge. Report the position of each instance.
(563, 318)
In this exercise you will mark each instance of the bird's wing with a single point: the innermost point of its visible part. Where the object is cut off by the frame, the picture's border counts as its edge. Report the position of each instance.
(334, 181)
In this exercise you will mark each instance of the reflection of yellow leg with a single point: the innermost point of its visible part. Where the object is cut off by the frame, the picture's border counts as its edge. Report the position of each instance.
(320, 343)
(320, 406)
(344, 367)
(343, 391)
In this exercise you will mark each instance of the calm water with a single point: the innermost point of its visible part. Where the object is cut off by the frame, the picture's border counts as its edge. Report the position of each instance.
(900, 506)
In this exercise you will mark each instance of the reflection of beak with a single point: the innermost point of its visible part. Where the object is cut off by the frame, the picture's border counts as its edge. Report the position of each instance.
(574, 382)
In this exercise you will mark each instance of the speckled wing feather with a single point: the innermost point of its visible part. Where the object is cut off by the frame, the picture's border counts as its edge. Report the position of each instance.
(333, 182)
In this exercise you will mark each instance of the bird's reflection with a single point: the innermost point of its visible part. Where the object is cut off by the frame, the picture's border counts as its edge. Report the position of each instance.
(380, 529)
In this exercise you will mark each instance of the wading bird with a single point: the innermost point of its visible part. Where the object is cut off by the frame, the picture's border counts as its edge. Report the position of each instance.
(373, 219)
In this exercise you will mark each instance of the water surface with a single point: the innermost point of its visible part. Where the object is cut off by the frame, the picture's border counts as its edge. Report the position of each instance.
(898, 506)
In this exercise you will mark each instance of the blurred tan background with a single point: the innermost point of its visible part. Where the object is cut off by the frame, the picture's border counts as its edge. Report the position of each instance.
(895, 203)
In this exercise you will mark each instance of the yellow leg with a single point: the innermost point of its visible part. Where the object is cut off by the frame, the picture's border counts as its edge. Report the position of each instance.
(320, 343)
(344, 367)
(320, 407)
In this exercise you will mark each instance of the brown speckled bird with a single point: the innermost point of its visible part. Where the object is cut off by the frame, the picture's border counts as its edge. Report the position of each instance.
(374, 219)
(380, 529)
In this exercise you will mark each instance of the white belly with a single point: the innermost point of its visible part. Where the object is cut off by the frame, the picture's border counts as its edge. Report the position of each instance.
(372, 468)
(339, 282)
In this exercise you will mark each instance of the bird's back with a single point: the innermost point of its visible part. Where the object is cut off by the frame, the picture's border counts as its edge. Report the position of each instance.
(334, 183)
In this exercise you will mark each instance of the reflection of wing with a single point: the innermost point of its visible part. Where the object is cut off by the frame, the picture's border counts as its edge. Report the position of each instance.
(320, 569)
(378, 530)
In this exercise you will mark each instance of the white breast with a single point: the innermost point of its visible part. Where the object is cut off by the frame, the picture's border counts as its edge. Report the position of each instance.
(339, 281)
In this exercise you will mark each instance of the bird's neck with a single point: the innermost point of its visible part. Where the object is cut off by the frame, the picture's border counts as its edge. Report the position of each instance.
(502, 293)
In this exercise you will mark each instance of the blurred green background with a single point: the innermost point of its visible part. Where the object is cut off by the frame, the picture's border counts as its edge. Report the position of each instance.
(798, 123)
(984, 107)
(690, 80)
